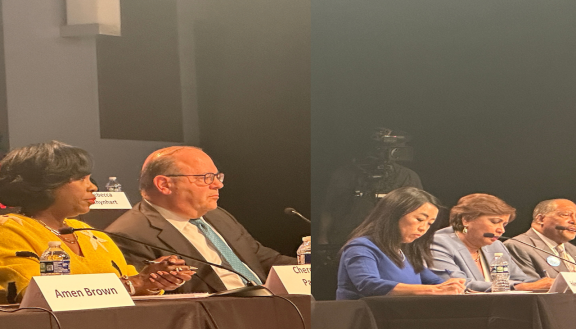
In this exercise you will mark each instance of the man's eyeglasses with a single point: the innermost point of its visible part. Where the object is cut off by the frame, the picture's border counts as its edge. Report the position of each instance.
(208, 178)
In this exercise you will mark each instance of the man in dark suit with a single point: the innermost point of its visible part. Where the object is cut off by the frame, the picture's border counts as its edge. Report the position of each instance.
(543, 234)
(179, 211)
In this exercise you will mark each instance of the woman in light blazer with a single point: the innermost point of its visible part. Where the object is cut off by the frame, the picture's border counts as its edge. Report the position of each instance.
(463, 251)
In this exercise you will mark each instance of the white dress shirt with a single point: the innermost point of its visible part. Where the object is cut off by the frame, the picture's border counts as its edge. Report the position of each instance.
(553, 245)
(198, 240)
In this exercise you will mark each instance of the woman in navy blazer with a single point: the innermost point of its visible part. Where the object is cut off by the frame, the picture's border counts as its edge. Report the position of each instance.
(387, 253)
(462, 250)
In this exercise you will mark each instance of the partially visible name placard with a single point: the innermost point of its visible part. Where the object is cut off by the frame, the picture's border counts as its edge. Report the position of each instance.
(290, 279)
(564, 282)
(76, 292)
(111, 200)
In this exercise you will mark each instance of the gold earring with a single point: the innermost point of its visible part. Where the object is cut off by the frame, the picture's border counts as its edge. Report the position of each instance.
(465, 230)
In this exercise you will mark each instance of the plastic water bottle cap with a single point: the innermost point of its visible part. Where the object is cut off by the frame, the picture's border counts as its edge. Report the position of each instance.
(497, 254)
(112, 178)
(54, 243)
(306, 238)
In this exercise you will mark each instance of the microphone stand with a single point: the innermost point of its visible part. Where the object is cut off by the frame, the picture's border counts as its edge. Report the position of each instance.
(251, 289)
(490, 235)
(292, 211)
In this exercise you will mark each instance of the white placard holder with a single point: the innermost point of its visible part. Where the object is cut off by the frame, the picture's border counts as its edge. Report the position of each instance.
(111, 200)
(565, 282)
(76, 292)
(290, 279)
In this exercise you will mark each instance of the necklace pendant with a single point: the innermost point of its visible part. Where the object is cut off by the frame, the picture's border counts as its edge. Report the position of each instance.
(57, 233)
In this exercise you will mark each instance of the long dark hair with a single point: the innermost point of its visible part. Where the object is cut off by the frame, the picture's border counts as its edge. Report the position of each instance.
(381, 226)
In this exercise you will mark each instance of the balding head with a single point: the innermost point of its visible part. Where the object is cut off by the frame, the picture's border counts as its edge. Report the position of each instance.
(174, 178)
(545, 207)
(162, 162)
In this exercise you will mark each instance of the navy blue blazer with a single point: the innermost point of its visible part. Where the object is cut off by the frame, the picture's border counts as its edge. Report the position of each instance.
(453, 260)
(366, 271)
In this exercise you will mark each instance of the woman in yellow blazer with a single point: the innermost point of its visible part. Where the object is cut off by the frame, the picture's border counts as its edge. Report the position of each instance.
(50, 182)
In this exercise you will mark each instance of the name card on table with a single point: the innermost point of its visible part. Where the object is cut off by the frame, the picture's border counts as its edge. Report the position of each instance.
(111, 200)
(290, 279)
(76, 292)
(565, 282)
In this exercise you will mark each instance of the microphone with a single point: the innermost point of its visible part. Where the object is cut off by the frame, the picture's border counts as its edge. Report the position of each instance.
(27, 254)
(491, 235)
(564, 228)
(252, 289)
(292, 211)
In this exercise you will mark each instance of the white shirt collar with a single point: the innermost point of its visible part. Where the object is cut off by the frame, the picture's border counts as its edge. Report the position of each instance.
(549, 242)
(172, 217)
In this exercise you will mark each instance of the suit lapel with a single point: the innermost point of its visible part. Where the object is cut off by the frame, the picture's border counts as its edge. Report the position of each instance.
(174, 240)
(231, 238)
(488, 255)
(538, 242)
(570, 249)
(467, 257)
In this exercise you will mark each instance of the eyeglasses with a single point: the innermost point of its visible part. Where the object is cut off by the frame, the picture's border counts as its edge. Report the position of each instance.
(208, 178)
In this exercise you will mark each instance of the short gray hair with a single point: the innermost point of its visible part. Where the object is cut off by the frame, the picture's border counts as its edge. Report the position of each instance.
(544, 207)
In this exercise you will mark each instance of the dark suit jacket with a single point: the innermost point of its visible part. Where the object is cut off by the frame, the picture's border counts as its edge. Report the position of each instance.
(534, 262)
(144, 223)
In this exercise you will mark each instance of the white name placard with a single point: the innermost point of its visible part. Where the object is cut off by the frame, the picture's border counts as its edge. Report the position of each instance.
(564, 282)
(76, 292)
(111, 200)
(290, 279)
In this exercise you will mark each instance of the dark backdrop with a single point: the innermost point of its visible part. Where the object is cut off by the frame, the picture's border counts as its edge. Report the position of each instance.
(487, 89)
(251, 74)
(4, 145)
(253, 87)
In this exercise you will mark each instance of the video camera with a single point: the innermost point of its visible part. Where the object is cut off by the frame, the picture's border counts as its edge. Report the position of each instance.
(390, 145)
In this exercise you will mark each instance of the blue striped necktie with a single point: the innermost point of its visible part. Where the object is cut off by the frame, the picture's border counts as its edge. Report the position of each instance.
(224, 250)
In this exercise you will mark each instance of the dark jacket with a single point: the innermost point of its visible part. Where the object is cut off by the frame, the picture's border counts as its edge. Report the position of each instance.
(145, 224)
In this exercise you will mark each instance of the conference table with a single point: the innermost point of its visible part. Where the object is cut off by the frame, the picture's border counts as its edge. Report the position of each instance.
(473, 311)
(211, 313)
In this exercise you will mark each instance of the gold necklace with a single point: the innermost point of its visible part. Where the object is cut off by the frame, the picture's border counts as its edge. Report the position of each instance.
(71, 241)
(477, 256)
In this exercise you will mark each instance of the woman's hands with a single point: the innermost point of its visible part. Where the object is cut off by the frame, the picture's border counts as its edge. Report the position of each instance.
(453, 286)
(166, 273)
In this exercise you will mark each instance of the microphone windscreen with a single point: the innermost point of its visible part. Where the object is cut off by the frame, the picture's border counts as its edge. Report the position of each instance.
(489, 235)
(26, 254)
(289, 211)
(66, 230)
(12, 293)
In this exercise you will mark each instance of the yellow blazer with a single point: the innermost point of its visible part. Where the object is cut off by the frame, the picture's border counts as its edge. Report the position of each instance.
(21, 233)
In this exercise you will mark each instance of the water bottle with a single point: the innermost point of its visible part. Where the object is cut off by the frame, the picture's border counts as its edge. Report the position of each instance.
(113, 185)
(499, 274)
(54, 261)
(304, 253)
